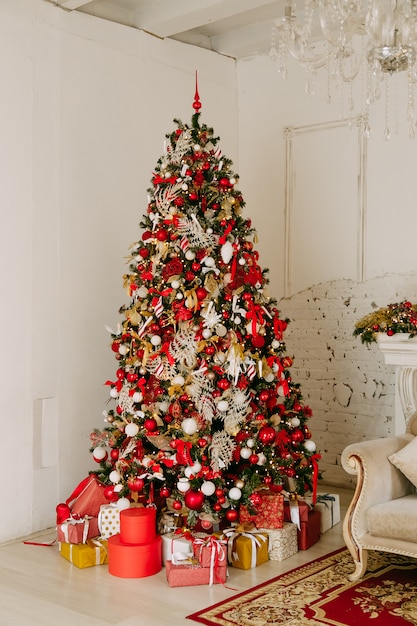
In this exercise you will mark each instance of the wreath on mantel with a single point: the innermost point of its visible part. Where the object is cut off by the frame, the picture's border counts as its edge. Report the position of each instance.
(395, 318)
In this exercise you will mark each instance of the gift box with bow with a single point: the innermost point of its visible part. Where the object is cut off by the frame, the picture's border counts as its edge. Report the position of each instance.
(247, 547)
(329, 506)
(75, 530)
(109, 520)
(82, 555)
(211, 552)
(177, 547)
(282, 541)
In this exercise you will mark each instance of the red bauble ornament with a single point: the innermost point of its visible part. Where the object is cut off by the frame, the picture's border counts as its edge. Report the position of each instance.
(217, 507)
(115, 346)
(210, 350)
(223, 384)
(221, 499)
(258, 341)
(275, 488)
(189, 276)
(150, 424)
(219, 492)
(165, 492)
(264, 395)
(297, 436)
(202, 443)
(246, 296)
(255, 499)
(132, 377)
(179, 201)
(177, 505)
(194, 499)
(120, 373)
(136, 484)
(196, 266)
(193, 196)
(267, 480)
(254, 458)
(232, 515)
(161, 235)
(267, 435)
(144, 253)
(201, 293)
(108, 492)
(114, 454)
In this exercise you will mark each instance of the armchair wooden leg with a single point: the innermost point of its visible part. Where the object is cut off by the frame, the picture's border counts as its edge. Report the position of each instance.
(360, 565)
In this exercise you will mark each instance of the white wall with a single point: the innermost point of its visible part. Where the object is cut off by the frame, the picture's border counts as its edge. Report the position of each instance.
(85, 108)
(348, 386)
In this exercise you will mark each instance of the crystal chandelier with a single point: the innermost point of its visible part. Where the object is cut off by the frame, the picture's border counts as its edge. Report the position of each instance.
(366, 43)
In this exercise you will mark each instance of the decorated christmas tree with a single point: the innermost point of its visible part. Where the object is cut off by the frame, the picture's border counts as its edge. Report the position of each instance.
(204, 410)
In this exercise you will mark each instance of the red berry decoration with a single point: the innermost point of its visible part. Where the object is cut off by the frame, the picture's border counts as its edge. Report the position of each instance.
(223, 384)
(258, 341)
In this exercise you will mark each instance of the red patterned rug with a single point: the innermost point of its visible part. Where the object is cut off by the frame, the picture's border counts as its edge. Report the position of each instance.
(320, 593)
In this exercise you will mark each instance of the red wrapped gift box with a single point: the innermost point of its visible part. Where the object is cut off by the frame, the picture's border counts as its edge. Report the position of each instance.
(307, 520)
(187, 575)
(210, 551)
(269, 513)
(77, 530)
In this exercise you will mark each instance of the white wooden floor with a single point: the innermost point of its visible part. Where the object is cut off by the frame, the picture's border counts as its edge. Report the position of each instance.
(38, 587)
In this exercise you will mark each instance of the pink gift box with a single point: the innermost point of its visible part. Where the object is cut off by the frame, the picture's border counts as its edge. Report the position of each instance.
(77, 530)
(210, 551)
(187, 575)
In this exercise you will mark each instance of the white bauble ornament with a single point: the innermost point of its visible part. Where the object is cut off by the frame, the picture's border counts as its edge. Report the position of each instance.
(137, 397)
(146, 461)
(221, 330)
(237, 319)
(114, 393)
(122, 504)
(131, 429)
(156, 340)
(189, 426)
(183, 485)
(118, 487)
(142, 292)
(245, 453)
(178, 380)
(310, 445)
(275, 344)
(189, 472)
(269, 377)
(99, 453)
(115, 477)
(223, 405)
(295, 421)
(242, 261)
(239, 483)
(226, 252)
(179, 295)
(227, 278)
(250, 443)
(261, 459)
(190, 255)
(123, 349)
(196, 467)
(163, 406)
(209, 261)
(175, 284)
(235, 493)
(207, 333)
(208, 488)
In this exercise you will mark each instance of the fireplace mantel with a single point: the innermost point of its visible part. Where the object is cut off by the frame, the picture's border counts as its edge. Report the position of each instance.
(401, 351)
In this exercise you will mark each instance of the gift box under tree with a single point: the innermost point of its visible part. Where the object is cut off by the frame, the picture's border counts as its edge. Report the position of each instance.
(77, 530)
(283, 542)
(267, 511)
(307, 519)
(83, 555)
(192, 574)
(247, 547)
(329, 506)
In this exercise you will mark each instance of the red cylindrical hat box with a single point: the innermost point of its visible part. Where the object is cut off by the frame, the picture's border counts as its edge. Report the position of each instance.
(138, 525)
(134, 561)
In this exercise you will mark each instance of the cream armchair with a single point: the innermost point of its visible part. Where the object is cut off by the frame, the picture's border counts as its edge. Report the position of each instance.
(383, 511)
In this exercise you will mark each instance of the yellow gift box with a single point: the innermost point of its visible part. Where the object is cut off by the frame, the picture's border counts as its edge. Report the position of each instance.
(246, 548)
(82, 555)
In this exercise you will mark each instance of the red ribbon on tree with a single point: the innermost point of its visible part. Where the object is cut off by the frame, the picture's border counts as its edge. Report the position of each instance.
(314, 459)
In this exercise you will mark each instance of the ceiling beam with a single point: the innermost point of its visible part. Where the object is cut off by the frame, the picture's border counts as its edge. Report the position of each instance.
(165, 18)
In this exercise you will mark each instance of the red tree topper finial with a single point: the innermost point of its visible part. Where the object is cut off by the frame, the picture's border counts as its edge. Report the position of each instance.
(196, 103)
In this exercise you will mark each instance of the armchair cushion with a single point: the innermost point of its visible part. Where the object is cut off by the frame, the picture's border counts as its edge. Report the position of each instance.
(406, 461)
(395, 519)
